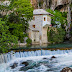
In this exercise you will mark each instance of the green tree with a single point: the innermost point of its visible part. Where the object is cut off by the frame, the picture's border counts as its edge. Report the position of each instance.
(60, 21)
(6, 39)
(22, 7)
(18, 20)
(13, 26)
(59, 18)
(56, 36)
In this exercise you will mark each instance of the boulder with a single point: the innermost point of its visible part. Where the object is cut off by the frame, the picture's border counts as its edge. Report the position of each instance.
(66, 69)
(53, 57)
(14, 65)
(29, 64)
(44, 58)
(25, 63)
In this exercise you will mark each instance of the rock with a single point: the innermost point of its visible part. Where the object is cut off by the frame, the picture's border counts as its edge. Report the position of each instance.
(25, 63)
(49, 70)
(53, 57)
(14, 65)
(30, 64)
(26, 68)
(44, 58)
(67, 69)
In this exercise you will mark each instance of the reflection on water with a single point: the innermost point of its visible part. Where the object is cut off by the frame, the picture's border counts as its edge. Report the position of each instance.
(61, 45)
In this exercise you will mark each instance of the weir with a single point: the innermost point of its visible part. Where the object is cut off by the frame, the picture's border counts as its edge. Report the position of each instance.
(6, 58)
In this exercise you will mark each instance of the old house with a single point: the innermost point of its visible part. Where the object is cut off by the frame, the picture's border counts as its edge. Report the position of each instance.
(39, 25)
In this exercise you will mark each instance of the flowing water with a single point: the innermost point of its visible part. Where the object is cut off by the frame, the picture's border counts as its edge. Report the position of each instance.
(35, 61)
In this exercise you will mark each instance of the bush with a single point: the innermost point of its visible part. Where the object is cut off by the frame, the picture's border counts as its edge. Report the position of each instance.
(56, 36)
(21, 40)
(7, 40)
(29, 41)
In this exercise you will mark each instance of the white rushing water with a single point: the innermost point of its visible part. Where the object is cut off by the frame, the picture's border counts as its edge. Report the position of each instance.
(63, 59)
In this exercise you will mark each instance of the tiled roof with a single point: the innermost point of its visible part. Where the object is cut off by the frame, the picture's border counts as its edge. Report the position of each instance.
(41, 11)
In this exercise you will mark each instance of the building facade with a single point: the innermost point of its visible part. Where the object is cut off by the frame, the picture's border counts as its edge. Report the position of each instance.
(38, 26)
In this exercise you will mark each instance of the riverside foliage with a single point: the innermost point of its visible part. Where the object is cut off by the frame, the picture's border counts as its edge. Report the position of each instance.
(59, 21)
(13, 25)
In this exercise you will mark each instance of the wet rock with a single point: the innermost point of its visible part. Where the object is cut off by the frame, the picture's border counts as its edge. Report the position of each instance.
(25, 63)
(67, 69)
(49, 70)
(26, 68)
(30, 65)
(44, 62)
(14, 65)
(53, 57)
(44, 58)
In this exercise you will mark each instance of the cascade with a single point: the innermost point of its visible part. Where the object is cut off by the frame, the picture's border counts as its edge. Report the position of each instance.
(5, 58)
(35, 61)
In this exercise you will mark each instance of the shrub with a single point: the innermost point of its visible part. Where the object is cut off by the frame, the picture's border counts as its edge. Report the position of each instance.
(21, 40)
(56, 36)
(29, 41)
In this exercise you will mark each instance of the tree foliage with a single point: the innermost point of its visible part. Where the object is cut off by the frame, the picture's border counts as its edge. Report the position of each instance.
(59, 18)
(18, 20)
(29, 41)
(22, 7)
(14, 24)
(6, 39)
(56, 36)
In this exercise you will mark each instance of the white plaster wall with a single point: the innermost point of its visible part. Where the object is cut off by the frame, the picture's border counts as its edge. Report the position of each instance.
(46, 22)
(39, 26)
(44, 35)
(38, 22)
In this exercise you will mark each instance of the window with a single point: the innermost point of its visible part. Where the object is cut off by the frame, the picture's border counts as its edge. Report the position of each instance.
(33, 18)
(33, 26)
(44, 19)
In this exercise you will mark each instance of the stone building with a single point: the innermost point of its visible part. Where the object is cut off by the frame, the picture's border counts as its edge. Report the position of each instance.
(39, 25)
(61, 5)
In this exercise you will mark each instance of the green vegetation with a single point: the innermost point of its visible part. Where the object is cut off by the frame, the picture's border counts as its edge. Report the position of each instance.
(59, 20)
(71, 22)
(20, 7)
(6, 39)
(29, 41)
(13, 25)
(56, 36)
(40, 2)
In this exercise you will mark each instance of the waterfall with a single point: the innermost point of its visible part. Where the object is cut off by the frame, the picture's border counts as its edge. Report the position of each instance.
(5, 58)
